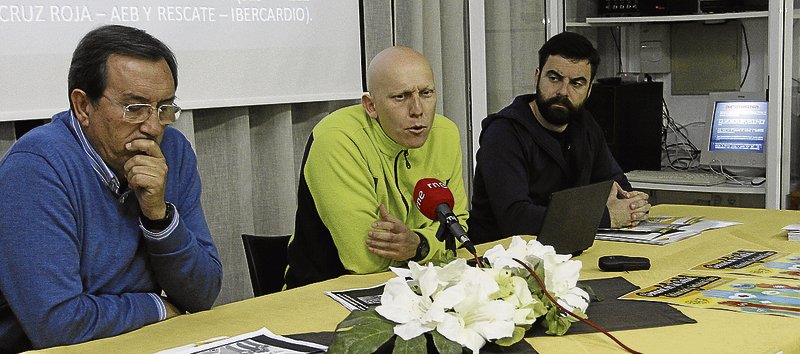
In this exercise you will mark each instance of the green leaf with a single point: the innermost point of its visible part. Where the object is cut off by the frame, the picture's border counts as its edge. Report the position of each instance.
(556, 324)
(578, 313)
(536, 289)
(359, 340)
(444, 345)
(365, 318)
(538, 308)
(368, 332)
(412, 346)
(539, 271)
(442, 258)
(518, 334)
(592, 295)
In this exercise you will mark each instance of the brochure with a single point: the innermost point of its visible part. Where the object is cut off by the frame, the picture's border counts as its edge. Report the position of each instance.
(755, 263)
(662, 230)
(358, 299)
(260, 341)
(793, 231)
(748, 295)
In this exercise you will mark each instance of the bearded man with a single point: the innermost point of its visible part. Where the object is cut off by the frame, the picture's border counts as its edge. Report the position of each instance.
(546, 142)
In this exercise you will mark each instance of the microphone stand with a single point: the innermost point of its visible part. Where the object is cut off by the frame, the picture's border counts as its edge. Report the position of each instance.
(450, 230)
(442, 234)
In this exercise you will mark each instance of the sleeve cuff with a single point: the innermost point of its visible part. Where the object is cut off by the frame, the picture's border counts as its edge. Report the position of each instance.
(163, 233)
(162, 309)
(422, 250)
(435, 247)
(605, 221)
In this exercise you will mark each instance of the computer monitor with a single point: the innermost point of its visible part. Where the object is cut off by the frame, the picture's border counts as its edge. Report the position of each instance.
(736, 133)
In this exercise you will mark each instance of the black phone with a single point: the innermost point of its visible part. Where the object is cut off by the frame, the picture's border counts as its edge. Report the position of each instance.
(623, 263)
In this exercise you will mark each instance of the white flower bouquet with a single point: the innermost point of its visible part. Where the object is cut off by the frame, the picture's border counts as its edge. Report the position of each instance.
(459, 306)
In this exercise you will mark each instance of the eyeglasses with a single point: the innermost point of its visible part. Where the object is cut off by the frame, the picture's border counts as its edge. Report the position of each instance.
(136, 113)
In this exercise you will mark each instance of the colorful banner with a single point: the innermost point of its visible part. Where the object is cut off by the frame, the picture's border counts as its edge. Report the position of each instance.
(749, 295)
(756, 263)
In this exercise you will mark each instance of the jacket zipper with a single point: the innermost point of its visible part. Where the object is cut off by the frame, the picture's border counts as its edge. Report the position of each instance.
(397, 177)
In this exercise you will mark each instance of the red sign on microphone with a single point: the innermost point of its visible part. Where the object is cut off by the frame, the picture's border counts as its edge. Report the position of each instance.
(429, 193)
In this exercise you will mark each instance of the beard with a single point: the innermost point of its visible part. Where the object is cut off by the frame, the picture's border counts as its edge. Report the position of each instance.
(558, 115)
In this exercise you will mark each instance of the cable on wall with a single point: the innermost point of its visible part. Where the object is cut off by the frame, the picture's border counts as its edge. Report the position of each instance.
(686, 153)
(747, 48)
(619, 49)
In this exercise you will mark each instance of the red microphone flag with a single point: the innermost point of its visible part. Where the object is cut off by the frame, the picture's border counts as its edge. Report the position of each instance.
(430, 193)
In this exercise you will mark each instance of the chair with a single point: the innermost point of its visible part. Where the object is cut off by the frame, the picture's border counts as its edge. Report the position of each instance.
(266, 259)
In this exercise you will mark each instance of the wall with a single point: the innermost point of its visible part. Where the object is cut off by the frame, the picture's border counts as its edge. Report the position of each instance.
(514, 33)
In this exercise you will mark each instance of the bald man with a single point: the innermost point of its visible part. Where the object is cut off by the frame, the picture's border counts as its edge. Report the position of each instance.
(355, 212)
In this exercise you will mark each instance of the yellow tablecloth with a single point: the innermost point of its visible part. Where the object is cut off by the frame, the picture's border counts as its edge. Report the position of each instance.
(307, 309)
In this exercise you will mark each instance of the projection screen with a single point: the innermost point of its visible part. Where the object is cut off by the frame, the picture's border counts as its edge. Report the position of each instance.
(230, 52)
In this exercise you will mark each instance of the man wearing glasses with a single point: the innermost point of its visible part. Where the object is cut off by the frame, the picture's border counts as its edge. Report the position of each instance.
(101, 227)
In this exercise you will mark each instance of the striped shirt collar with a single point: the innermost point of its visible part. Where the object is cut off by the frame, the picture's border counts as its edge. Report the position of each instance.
(103, 171)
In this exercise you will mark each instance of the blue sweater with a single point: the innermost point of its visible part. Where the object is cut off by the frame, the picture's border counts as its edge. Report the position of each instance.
(74, 265)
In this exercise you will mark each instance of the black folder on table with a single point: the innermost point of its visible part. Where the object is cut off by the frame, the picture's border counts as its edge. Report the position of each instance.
(572, 217)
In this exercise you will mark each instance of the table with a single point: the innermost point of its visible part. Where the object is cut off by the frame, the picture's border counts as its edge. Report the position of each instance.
(307, 309)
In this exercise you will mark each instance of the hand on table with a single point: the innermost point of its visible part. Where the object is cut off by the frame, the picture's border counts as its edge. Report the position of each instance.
(172, 311)
(627, 208)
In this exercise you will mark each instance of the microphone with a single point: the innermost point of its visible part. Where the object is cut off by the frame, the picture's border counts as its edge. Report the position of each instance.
(435, 201)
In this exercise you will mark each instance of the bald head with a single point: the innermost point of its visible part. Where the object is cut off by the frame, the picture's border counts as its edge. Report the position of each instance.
(391, 64)
(402, 96)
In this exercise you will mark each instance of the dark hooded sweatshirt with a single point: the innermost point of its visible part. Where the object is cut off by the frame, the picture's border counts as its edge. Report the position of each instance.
(520, 164)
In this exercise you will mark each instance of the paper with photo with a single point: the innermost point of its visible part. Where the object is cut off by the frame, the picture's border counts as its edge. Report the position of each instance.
(747, 295)
(260, 341)
(663, 224)
(756, 263)
(662, 230)
(358, 299)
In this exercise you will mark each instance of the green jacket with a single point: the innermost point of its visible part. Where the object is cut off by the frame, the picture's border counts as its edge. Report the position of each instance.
(349, 168)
